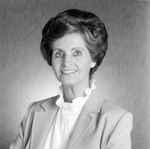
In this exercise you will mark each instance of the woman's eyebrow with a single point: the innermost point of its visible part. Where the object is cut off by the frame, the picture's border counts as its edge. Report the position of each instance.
(79, 48)
(57, 49)
(73, 49)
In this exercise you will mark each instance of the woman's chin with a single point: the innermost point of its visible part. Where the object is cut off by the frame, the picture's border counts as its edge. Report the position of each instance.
(69, 81)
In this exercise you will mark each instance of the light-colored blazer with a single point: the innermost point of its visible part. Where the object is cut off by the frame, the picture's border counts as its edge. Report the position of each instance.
(101, 125)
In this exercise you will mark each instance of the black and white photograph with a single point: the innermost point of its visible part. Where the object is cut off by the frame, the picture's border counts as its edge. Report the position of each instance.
(74, 74)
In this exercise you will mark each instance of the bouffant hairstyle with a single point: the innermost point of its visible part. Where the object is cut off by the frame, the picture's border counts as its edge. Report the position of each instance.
(91, 28)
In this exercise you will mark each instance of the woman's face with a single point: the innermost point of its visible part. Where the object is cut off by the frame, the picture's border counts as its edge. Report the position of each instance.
(71, 60)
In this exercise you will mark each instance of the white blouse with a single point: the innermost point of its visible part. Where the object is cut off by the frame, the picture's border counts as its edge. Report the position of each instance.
(64, 123)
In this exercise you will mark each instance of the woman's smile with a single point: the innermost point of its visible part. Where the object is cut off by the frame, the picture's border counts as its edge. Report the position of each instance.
(68, 72)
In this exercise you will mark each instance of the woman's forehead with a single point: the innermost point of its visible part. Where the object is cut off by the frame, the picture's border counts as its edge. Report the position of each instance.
(69, 41)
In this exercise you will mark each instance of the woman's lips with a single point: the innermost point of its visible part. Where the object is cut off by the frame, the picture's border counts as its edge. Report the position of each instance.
(68, 71)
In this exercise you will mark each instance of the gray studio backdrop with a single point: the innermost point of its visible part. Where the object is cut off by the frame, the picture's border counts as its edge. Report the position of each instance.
(124, 76)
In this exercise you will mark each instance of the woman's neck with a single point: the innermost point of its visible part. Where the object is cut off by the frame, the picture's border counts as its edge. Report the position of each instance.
(72, 92)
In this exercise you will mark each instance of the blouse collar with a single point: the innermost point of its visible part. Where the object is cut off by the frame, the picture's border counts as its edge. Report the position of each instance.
(78, 102)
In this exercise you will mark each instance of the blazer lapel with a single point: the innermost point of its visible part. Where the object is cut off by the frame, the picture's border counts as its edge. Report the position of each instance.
(84, 121)
(92, 105)
(42, 123)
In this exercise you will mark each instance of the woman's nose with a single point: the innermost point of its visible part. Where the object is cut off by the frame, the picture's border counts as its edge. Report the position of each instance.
(67, 60)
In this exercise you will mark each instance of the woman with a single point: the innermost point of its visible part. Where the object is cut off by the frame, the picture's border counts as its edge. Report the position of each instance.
(74, 43)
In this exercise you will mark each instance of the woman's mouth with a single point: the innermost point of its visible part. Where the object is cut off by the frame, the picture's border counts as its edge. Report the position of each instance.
(68, 71)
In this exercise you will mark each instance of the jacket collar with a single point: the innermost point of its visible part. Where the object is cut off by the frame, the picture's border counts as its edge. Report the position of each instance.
(50, 104)
(94, 102)
(93, 105)
(43, 119)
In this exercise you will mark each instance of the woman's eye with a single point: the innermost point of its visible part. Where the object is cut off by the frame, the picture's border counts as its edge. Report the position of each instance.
(77, 53)
(58, 54)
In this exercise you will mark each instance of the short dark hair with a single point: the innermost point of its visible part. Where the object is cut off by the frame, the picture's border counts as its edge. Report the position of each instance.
(70, 21)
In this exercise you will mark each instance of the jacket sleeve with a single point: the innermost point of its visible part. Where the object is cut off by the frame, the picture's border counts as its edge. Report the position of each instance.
(19, 142)
(120, 137)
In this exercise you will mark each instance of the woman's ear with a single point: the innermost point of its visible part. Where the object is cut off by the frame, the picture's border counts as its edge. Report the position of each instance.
(93, 64)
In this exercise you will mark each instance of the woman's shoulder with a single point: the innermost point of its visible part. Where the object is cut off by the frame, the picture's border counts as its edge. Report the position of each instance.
(113, 111)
